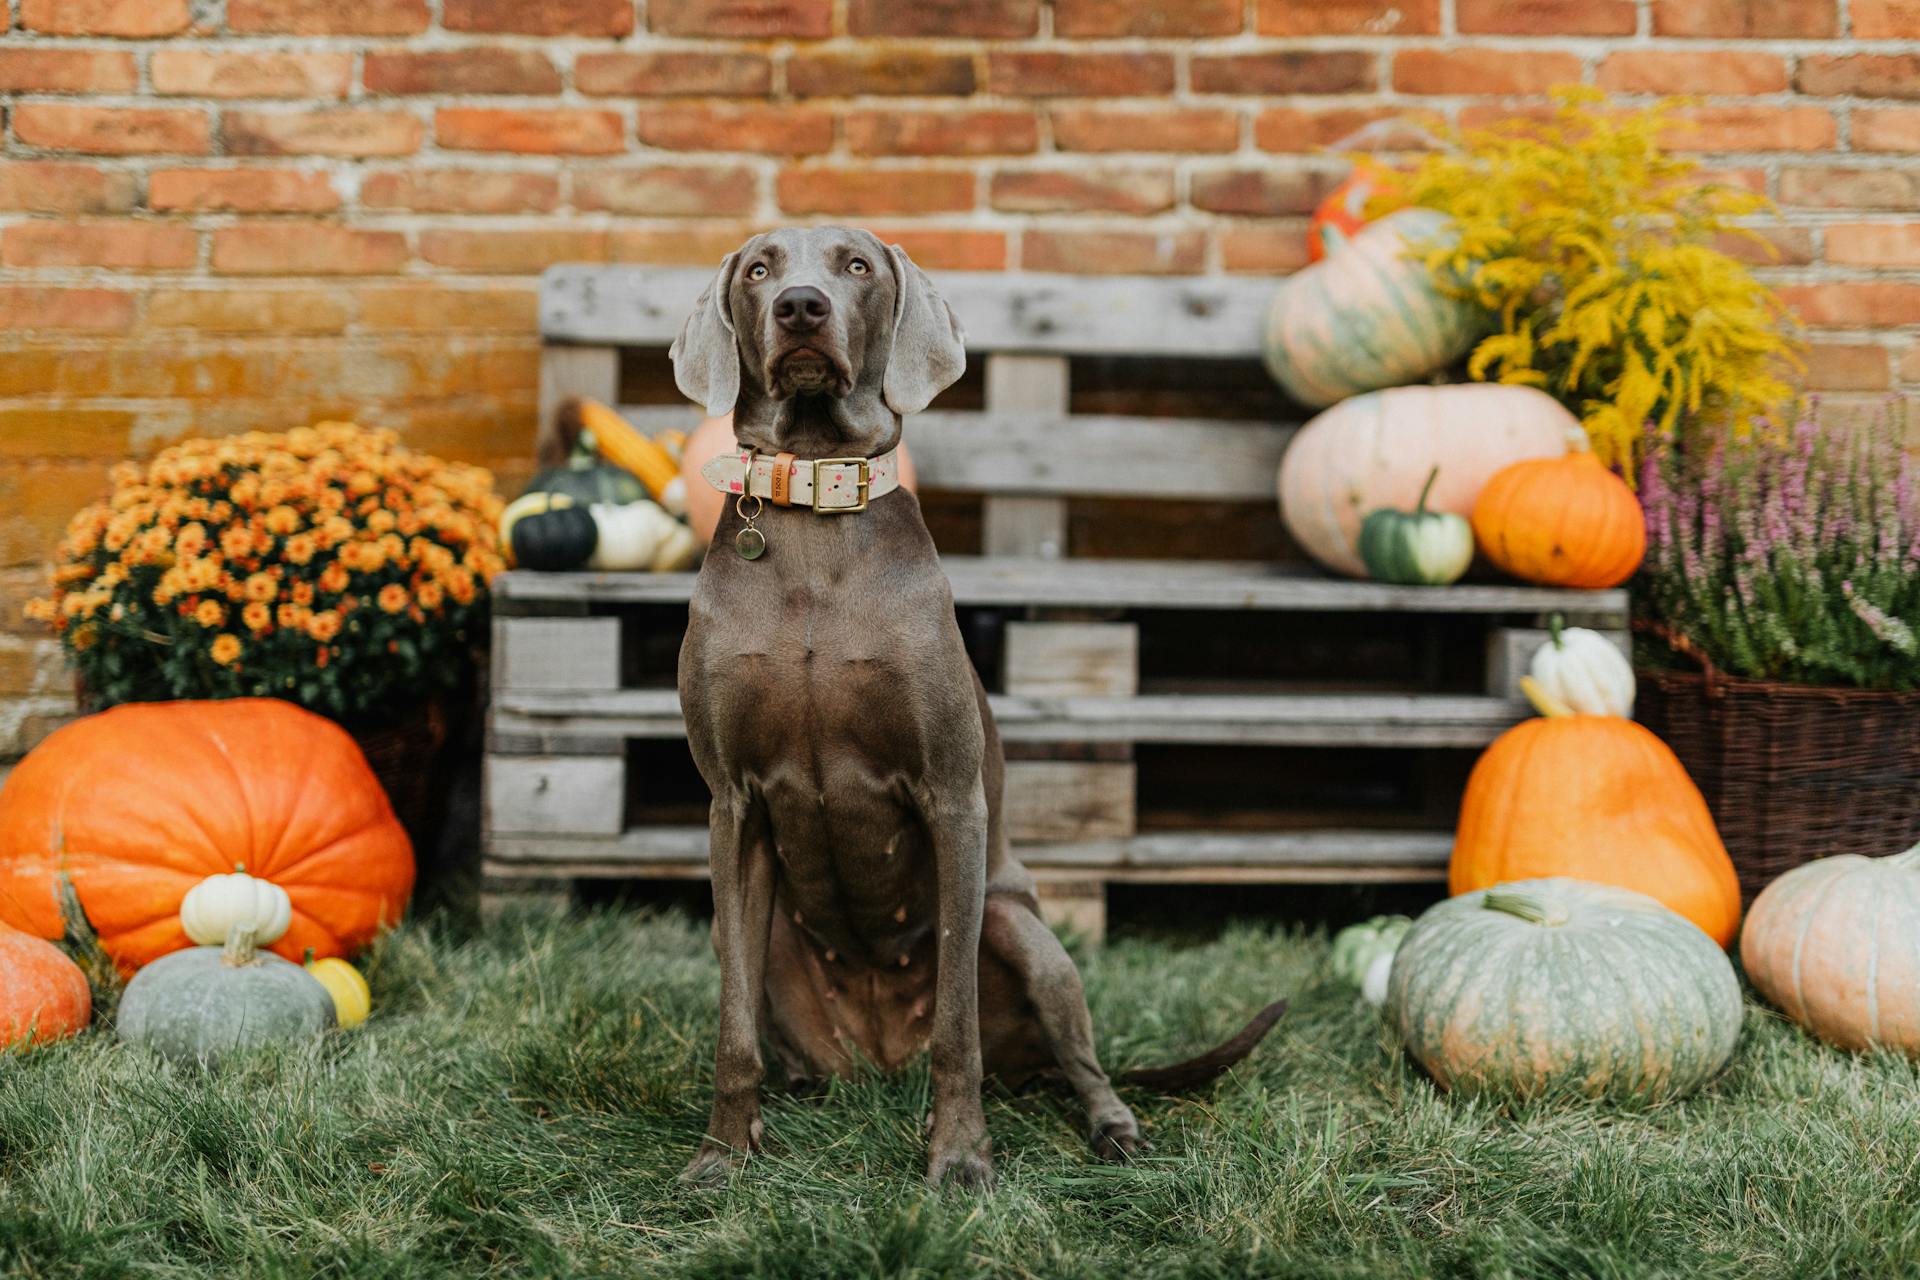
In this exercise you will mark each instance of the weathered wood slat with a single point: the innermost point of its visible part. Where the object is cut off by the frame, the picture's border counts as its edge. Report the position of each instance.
(593, 372)
(1023, 523)
(556, 653)
(1068, 800)
(1307, 719)
(1219, 318)
(556, 794)
(1123, 584)
(1071, 659)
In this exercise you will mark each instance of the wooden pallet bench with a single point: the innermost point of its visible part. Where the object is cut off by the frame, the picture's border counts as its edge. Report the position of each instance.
(1167, 720)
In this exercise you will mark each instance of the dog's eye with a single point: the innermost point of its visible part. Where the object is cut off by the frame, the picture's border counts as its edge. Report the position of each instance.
(758, 271)
(858, 266)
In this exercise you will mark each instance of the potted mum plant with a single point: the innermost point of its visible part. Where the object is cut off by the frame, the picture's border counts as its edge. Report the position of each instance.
(1779, 607)
(328, 566)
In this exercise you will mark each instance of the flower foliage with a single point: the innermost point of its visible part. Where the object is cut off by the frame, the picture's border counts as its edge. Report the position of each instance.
(1596, 252)
(328, 566)
(1794, 559)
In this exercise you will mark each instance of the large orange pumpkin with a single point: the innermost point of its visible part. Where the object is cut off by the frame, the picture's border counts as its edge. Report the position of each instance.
(1595, 798)
(137, 805)
(1565, 522)
(44, 995)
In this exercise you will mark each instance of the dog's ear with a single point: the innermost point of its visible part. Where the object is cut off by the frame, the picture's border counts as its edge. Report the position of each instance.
(706, 355)
(929, 347)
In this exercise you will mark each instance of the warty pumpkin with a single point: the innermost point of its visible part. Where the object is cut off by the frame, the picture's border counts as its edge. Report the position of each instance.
(1835, 945)
(137, 805)
(1562, 522)
(1596, 798)
(43, 994)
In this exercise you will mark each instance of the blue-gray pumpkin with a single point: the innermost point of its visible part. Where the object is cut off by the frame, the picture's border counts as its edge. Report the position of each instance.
(203, 1003)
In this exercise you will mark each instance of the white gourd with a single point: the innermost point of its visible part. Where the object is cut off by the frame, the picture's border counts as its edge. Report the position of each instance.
(219, 904)
(678, 550)
(630, 535)
(1585, 672)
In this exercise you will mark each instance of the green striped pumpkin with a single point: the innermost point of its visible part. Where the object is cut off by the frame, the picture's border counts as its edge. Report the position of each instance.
(1560, 987)
(1368, 315)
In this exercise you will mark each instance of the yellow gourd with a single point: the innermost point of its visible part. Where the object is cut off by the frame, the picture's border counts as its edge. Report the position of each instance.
(352, 998)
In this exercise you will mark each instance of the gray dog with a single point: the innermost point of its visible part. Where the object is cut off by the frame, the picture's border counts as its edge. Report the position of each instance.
(866, 905)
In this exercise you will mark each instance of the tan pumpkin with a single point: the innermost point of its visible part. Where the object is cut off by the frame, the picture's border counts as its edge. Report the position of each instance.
(1377, 450)
(1835, 944)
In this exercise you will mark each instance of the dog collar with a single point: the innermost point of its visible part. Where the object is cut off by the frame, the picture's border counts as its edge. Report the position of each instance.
(831, 486)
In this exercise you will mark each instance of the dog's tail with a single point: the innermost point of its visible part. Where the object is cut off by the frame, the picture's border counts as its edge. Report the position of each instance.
(1181, 1077)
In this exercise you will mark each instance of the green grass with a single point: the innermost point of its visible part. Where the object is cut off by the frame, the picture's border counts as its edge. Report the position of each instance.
(523, 1100)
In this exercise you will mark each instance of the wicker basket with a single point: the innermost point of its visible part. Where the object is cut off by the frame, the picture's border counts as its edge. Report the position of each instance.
(1792, 772)
(405, 758)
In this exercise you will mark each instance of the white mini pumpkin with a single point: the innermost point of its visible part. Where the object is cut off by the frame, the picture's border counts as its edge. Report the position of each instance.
(1584, 672)
(678, 550)
(218, 904)
(630, 535)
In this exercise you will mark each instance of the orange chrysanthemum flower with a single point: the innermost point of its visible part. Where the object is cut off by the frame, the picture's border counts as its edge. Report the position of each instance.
(225, 649)
(393, 597)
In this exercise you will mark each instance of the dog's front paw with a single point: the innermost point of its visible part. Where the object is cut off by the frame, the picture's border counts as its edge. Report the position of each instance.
(713, 1165)
(1119, 1141)
(968, 1170)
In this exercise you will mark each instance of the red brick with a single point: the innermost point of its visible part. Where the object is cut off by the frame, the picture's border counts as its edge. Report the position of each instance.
(1290, 129)
(559, 132)
(860, 192)
(1261, 192)
(193, 73)
(115, 131)
(130, 19)
(1153, 18)
(1679, 71)
(1114, 252)
(949, 249)
(698, 244)
(306, 248)
(125, 244)
(1885, 19)
(241, 191)
(40, 70)
(1754, 180)
(880, 71)
(669, 74)
(540, 17)
(1865, 75)
(1755, 129)
(1079, 75)
(461, 191)
(336, 131)
(1082, 189)
(249, 311)
(1304, 71)
(1910, 365)
(771, 130)
(1860, 366)
(1886, 129)
(1773, 245)
(94, 310)
(942, 133)
(1347, 18)
(1824, 188)
(1777, 19)
(1191, 129)
(1482, 71)
(1865, 304)
(63, 186)
(416, 308)
(1874, 244)
(1264, 248)
(523, 253)
(1546, 17)
(667, 191)
(751, 19)
(328, 17)
(968, 19)
(496, 70)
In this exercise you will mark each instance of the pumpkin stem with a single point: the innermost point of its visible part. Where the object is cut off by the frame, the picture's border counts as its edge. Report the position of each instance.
(1420, 507)
(1555, 625)
(239, 950)
(1528, 907)
(1543, 702)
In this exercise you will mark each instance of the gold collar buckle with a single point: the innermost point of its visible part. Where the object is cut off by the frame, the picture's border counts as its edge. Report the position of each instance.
(865, 466)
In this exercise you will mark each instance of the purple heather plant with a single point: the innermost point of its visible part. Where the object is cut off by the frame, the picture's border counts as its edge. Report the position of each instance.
(1788, 555)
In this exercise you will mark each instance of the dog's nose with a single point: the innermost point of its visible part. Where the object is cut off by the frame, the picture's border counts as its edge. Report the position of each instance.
(801, 309)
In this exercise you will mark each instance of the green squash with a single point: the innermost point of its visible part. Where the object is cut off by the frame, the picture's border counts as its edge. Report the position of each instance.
(1357, 946)
(549, 532)
(1560, 987)
(1418, 548)
(588, 480)
(203, 1003)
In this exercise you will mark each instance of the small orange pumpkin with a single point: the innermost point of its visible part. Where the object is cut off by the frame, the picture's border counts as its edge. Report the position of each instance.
(44, 995)
(1594, 798)
(137, 805)
(1564, 522)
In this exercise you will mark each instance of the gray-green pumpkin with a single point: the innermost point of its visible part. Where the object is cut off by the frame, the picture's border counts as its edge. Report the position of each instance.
(1419, 548)
(1558, 986)
(200, 1004)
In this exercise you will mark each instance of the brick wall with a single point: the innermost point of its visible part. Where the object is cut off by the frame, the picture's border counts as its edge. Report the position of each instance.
(222, 214)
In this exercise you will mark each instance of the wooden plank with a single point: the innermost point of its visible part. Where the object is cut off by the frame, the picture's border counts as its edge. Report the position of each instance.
(1302, 719)
(1025, 524)
(498, 873)
(584, 795)
(1071, 659)
(1510, 652)
(1068, 800)
(556, 653)
(1207, 317)
(1075, 905)
(572, 371)
(1124, 584)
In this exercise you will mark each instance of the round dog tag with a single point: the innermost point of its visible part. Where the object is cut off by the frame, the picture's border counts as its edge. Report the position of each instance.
(750, 543)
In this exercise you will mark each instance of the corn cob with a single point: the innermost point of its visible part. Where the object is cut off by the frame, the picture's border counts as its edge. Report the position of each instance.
(620, 444)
